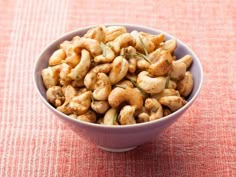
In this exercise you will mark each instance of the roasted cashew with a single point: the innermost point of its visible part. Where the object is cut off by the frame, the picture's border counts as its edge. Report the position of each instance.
(131, 60)
(55, 96)
(57, 57)
(107, 57)
(156, 39)
(67, 46)
(126, 116)
(82, 68)
(162, 66)
(102, 87)
(80, 104)
(73, 59)
(125, 83)
(143, 117)
(65, 70)
(89, 116)
(122, 41)
(166, 92)
(178, 70)
(120, 95)
(96, 33)
(154, 107)
(91, 77)
(110, 117)
(142, 64)
(170, 45)
(100, 106)
(142, 42)
(155, 55)
(77, 83)
(91, 45)
(112, 32)
(172, 102)
(185, 86)
(119, 69)
(149, 84)
(50, 76)
(187, 59)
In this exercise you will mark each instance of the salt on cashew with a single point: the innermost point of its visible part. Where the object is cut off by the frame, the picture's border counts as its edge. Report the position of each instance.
(102, 87)
(126, 116)
(122, 41)
(154, 107)
(91, 45)
(119, 69)
(149, 84)
(110, 117)
(172, 102)
(96, 33)
(170, 45)
(55, 96)
(80, 104)
(65, 70)
(50, 76)
(156, 39)
(91, 76)
(142, 42)
(89, 116)
(112, 32)
(185, 86)
(166, 92)
(187, 59)
(100, 106)
(162, 66)
(57, 57)
(107, 57)
(82, 68)
(178, 70)
(130, 95)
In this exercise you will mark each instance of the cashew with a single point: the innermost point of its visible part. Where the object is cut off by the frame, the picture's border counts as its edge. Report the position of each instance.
(178, 70)
(67, 46)
(126, 116)
(120, 95)
(162, 66)
(119, 69)
(102, 87)
(142, 42)
(149, 84)
(185, 86)
(187, 59)
(96, 33)
(110, 117)
(142, 64)
(65, 70)
(171, 84)
(73, 116)
(112, 32)
(125, 83)
(77, 83)
(100, 106)
(166, 92)
(91, 45)
(155, 55)
(155, 108)
(89, 116)
(91, 77)
(172, 102)
(57, 57)
(143, 117)
(106, 57)
(156, 39)
(55, 96)
(124, 40)
(82, 68)
(129, 54)
(80, 104)
(73, 59)
(50, 76)
(170, 45)
(132, 65)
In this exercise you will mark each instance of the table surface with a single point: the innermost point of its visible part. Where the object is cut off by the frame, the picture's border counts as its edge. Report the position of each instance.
(34, 143)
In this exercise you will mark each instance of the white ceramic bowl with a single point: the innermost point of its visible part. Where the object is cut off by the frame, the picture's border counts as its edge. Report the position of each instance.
(118, 138)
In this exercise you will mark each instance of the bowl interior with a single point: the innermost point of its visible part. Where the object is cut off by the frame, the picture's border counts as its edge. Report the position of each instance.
(182, 49)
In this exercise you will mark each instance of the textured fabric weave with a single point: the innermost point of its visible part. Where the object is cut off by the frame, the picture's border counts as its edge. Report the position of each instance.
(34, 143)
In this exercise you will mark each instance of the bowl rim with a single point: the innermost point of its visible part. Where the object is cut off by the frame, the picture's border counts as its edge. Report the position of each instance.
(172, 115)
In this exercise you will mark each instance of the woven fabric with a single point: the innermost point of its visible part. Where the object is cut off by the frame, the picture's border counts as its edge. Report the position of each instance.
(34, 143)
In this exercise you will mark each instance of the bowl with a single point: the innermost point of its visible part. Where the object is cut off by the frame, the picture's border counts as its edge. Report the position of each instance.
(118, 138)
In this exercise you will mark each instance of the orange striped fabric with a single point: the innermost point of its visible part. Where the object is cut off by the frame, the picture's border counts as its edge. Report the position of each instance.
(34, 143)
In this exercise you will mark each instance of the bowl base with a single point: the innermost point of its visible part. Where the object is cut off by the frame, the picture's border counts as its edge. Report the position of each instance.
(117, 150)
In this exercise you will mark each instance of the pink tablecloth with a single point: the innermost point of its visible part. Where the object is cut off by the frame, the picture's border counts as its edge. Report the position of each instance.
(34, 143)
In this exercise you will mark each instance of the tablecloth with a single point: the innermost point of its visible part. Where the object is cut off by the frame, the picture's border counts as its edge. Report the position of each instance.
(33, 142)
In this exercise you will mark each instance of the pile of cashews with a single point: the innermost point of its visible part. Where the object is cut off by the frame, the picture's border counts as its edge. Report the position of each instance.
(113, 77)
